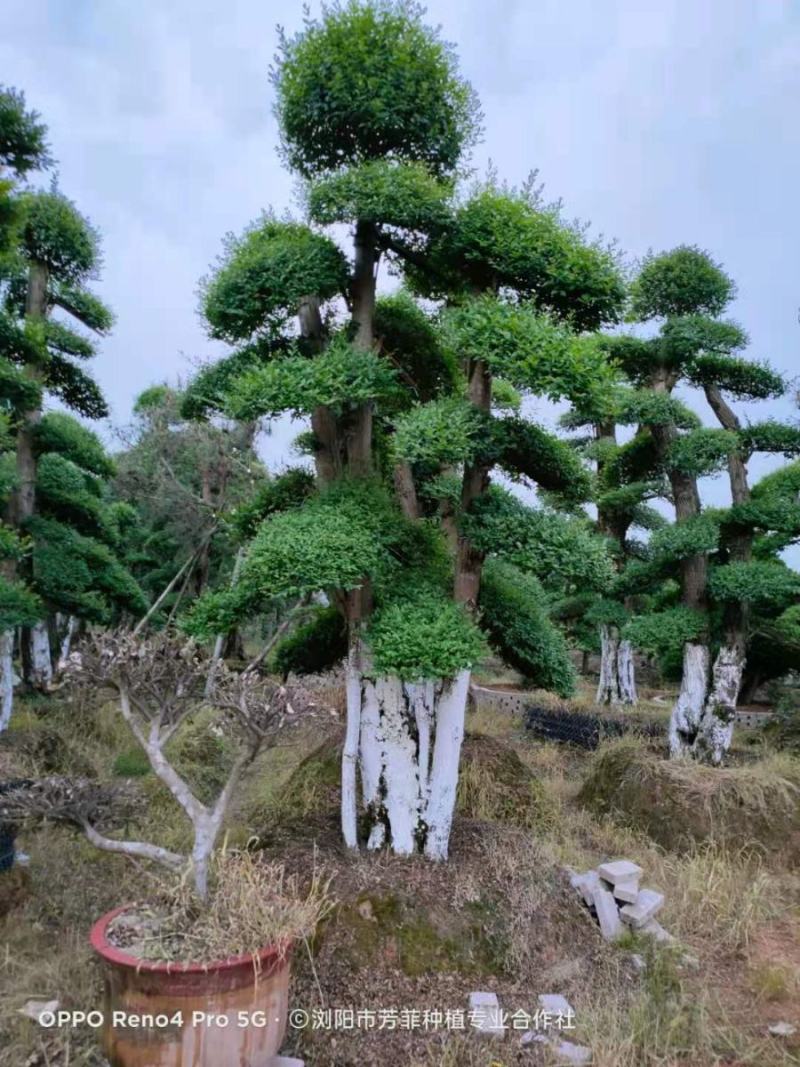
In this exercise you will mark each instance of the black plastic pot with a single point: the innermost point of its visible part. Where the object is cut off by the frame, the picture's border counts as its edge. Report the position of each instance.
(8, 831)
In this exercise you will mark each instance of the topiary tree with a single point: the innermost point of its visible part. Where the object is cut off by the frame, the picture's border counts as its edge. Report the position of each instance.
(23, 148)
(406, 430)
(55, 253)
(686, 291)
(626, 481)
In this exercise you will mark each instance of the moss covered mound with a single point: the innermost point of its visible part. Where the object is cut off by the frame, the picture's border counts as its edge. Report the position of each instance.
(494, 786)
(422, 939)
(680, 803)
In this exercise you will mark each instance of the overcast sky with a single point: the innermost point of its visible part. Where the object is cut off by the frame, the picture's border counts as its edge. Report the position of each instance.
(660, 121)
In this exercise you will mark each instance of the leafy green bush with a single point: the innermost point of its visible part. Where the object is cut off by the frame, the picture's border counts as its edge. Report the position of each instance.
(314, 647)
(514, 613)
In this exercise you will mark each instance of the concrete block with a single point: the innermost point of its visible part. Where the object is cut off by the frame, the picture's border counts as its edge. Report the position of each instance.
(638, 962)
(627, 892)
(285, 1061)
(586, 884)
(782, 1030)
(486, 1008)
(648, 904)
(607, 914)
(574, 1055)
(619, 871)
(656, 930)
(555, 1004)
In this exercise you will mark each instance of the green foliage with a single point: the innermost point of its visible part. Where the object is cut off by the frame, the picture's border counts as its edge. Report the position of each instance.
(57, 432)
(504, 239)
(18, 605)
(685, 281)
(67, 492)
(262, 276)
(60, 338)
(370, 81)
(17, 390)
(757, 582)
(769, 512)
(563, 553)
(423, 636)
(440, 433)
(207, 393)
(505, 397)
(528, 450)
(771, 436)
(525, 347)
(784, 482)
(744, 378)
(605, 612)
(410, 341)
(625, 501)
(23, 138)
(288, 490)
(787, 626)
(328, 544)
(316, 646)
(664, 633)
(77, 390)
(514, 615)
(634, 461)
(385, 192)
(701, 452)
(82, 305)
(689, 537)
(647, 408)
(342, 377)
(53, 232)
(684, 338)
(78, 575)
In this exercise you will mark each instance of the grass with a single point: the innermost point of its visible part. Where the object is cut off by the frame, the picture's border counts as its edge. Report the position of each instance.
(723, 895)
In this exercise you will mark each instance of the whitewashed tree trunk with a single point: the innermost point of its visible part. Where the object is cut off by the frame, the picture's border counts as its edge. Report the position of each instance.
(6, 678)
(407, 740)
(608, 686)
(66, 644)
(715, 730)
(690, 705)
(626, 674)
(40, 664)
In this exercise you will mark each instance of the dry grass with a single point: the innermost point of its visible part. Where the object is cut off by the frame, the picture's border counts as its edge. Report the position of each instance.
(251, 904)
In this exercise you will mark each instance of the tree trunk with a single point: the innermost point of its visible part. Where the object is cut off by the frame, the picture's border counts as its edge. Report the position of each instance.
(469, 561)
(37, 665)
(359, 429)
(405, 740)
(715, 729)
(6, 678)
(608, 686)
(626, 674)
(690, 705)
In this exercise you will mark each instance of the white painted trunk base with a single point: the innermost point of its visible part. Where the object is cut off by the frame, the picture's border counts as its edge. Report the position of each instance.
(626, 674)
(703, 717)
(405, 740)
(617, 684)
(688, 709)
(715, 730)
(6, 678)
(41, 665)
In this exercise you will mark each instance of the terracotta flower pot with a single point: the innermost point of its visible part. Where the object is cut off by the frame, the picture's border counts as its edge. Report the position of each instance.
(232, 1011)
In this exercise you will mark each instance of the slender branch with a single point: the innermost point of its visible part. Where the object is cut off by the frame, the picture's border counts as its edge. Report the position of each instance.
(139, 849)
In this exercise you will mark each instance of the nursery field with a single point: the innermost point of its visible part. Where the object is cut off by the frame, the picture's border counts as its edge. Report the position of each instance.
(405, 934)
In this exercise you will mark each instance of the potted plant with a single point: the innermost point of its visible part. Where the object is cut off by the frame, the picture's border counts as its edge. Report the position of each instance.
(197, 975)
(205, 983)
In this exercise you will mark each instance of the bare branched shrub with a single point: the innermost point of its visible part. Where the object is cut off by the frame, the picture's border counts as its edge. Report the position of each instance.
(160, 682)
